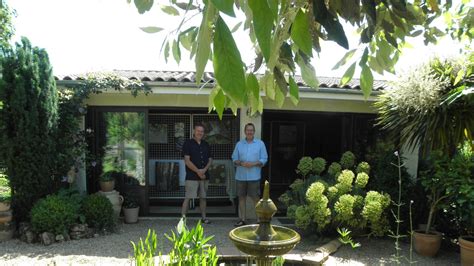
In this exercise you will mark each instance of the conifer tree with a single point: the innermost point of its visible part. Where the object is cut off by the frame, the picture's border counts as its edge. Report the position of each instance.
(28, 120)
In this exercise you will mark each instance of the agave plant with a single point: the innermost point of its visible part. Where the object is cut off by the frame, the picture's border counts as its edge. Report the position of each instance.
(432, 105)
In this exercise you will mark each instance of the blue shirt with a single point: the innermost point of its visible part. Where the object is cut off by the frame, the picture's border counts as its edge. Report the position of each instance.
(249, 152)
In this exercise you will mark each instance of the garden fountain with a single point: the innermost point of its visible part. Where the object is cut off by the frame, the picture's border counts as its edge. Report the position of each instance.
(262, 240)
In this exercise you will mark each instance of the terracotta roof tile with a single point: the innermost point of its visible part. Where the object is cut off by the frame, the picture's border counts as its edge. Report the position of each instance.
(189, 77)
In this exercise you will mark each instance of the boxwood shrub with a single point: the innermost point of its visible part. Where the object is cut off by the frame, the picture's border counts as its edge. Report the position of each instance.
(53, 214)
(98, 211)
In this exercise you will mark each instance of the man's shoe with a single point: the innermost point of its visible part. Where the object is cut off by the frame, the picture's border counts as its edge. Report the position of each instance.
(240, 223)
(205, 221)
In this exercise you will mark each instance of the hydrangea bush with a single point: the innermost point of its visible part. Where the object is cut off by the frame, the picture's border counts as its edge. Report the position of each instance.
(338, 198)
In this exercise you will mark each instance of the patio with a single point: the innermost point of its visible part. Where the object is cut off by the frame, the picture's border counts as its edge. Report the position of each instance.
(115, 249)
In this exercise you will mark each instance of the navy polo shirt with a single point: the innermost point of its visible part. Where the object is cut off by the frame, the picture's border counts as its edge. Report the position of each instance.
(199, 155)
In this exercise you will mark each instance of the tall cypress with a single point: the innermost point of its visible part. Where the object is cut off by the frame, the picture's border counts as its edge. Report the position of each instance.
(28, 120)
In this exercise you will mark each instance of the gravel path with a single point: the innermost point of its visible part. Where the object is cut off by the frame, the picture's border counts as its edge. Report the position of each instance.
(115, 249)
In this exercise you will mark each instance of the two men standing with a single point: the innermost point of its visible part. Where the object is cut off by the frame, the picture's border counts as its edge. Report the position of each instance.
(249, 156)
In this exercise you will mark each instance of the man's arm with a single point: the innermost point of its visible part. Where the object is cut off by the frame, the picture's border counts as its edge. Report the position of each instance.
(235, 155)
(190, 165)
(208, 165)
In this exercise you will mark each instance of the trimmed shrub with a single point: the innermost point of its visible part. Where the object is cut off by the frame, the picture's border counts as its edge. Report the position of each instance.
(53, 214)
(319, 164)
(347, 160)
(98, 211)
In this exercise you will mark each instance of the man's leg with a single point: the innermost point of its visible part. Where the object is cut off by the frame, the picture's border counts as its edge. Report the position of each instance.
(185, 207)
(203, 185)
(191, 187)
(242, 209)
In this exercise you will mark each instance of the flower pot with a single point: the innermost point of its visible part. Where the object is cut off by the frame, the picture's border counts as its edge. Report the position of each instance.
(5, 217)
(4, 206)
(131, 215)
(107, 186)
(467, 250)
(427, 244)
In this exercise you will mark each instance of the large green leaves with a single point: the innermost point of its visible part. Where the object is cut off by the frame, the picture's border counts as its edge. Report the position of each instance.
(307, 72)
(366, 81)
(203, 49)
(143, 5)
(225, 6)
(228, 67)
(262, 24)
(330, 23)
(294, 91)
(300, 32)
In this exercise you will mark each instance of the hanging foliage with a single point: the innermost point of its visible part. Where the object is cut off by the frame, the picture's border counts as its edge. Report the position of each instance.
(285, 34)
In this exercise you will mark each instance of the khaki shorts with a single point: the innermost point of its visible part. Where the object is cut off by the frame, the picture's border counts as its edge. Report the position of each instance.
(193, 186)
(248, 188)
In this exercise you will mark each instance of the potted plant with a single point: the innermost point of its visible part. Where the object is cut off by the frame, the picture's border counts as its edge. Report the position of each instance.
(131, 209)
(107, 181)
(427, 241)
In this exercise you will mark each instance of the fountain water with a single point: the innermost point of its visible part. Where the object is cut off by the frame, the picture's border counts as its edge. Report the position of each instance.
(263, 240)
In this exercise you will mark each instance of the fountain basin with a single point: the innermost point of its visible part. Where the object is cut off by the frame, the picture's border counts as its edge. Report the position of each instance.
(247, 241)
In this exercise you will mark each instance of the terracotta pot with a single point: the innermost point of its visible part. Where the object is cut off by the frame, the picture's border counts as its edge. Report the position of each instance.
(4, 206)
(5, 217)
(107, 186)
(131, 215)
(427, 244)
(467, 250)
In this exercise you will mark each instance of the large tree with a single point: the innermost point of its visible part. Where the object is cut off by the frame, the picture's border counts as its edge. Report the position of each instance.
(6, 27)
(28, 122)
(287, 33)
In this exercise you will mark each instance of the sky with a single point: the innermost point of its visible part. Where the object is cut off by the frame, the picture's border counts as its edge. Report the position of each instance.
(102, 35)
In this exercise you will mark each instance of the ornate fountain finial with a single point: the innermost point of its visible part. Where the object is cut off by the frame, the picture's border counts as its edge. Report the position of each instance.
(266, 191)
(265, 210)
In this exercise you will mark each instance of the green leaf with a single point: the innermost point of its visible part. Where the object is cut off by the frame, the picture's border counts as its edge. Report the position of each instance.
(263, 24)
(203, 49)
(228, 66)
(268, 84)
(307, 72)
(344, 59)
(225, 6)
(170, 10)
(252, 85)
(143, 5)
(212, 95)
(176, 51)
(366, 81)
(279, 97)
(219, 103)
(236, 27)
(348, 74)
(459, 77)
(364, 58)
(294, 91)
(167, 51)
(273, 4)
(151, 29)
(300, 32)
(330, 23)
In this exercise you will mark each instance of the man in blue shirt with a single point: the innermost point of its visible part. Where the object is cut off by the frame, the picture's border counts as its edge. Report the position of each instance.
(249, 156)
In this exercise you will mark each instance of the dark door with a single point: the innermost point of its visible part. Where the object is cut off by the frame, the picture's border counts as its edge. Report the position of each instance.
(287, 139)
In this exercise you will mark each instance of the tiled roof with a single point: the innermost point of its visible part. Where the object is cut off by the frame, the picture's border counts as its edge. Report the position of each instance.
(183, 77)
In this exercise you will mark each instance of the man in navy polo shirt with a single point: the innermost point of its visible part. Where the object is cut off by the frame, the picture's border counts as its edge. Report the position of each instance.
(198, 158)
(249, 155)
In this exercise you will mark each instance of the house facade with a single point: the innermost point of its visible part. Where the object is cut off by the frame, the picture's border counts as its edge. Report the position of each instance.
(141, 137)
